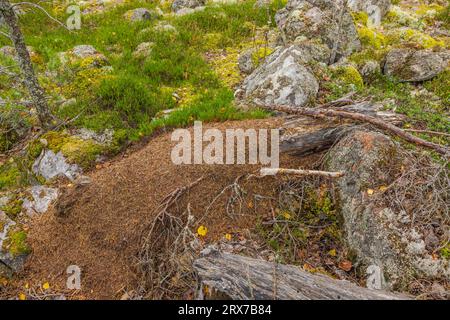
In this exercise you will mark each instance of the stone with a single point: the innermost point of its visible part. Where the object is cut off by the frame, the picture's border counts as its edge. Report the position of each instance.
(104, 138)
(42, 198)
(317, 19)
(374, 232)
(282, 79)
(381, 6)
(50, 165)
(143, 50)
(369, 69)
(411, 65)
(140, 14)
(178, 5)
(185, 11)
(245, 61)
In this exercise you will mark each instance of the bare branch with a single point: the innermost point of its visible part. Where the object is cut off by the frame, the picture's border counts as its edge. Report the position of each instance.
(43, 10)
(300, 172)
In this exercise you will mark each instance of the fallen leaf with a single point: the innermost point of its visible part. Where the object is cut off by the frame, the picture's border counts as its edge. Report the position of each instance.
(22, 296)
(370, 192)
(228, 236)
(332, 252)
(46, 286)
(345, 265)
(383, 188)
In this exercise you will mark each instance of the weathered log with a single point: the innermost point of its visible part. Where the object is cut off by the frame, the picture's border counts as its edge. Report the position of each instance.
(239, 277)
(360, 117)
(306, 143)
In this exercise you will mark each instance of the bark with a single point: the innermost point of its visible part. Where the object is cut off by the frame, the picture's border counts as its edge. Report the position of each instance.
(24, 60)
(238, 277)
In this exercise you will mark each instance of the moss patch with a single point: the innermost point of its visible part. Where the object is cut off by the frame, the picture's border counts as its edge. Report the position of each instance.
(16, 242)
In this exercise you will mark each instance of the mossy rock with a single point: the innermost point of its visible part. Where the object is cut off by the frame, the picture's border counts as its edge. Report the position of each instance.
(76, 150)
(16, 242)
(349, 76)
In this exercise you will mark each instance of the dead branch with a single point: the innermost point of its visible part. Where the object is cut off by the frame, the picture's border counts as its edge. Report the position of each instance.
(324, 113)
(300, 172)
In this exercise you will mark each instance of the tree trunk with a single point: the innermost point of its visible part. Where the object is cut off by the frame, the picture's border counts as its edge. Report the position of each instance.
(238, 277)
(23, 57)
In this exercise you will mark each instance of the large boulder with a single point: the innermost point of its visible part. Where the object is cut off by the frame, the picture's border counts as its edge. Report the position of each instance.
(178, 5)
(379, 233)
(370, 6)
(415, 65)
(319, 19)
(283, 79)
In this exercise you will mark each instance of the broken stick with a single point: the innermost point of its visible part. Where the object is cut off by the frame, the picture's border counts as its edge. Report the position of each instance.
(300, 172)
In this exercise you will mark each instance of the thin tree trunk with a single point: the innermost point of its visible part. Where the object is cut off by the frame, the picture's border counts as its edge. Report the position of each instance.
(23, 57)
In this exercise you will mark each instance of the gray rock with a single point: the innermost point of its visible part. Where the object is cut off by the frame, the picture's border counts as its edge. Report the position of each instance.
(50, 165)
(283, 79)
(369, 69)
(42, 198)
(177, 5)
(318, 19)
(414, 65)
(370, 5)
(143, 50)
(245, 61)
(377, 235)
(8, 263)
(165, 27)
(140, 14)
(104, 138)
(84, 51)
(185, 11)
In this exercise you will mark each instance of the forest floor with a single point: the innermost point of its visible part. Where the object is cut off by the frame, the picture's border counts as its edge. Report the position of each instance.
(100, 231)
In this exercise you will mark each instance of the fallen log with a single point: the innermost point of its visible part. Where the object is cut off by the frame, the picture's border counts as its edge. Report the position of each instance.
(359, 117)
(243, 278)
(306, 143)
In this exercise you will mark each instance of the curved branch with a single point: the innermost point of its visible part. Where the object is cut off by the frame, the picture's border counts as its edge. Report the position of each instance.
(43, 10)
(323, 113)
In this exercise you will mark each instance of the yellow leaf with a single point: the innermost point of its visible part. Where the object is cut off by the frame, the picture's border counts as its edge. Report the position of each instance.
(22, 296)
(27, 286)
(287, 215)
(332, 252)
(46, 286)
(383, 188)
(228, 236)
(370, 192)
(202, 231)
(250, 204)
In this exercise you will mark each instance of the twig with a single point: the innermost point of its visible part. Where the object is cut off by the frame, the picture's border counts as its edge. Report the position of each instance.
(436, 133)
(274, 171)
(43, 10)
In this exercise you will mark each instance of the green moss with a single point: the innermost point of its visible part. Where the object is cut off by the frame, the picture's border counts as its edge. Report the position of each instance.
(415, 37)
(348, 76)
(76, 150)
(10, 175)
(260, 54)
(440, 86)
(361, 57)
(371, 38)
(16, 242)
(445, 252)
(360, 18)
(227, 69)
(13, 208)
